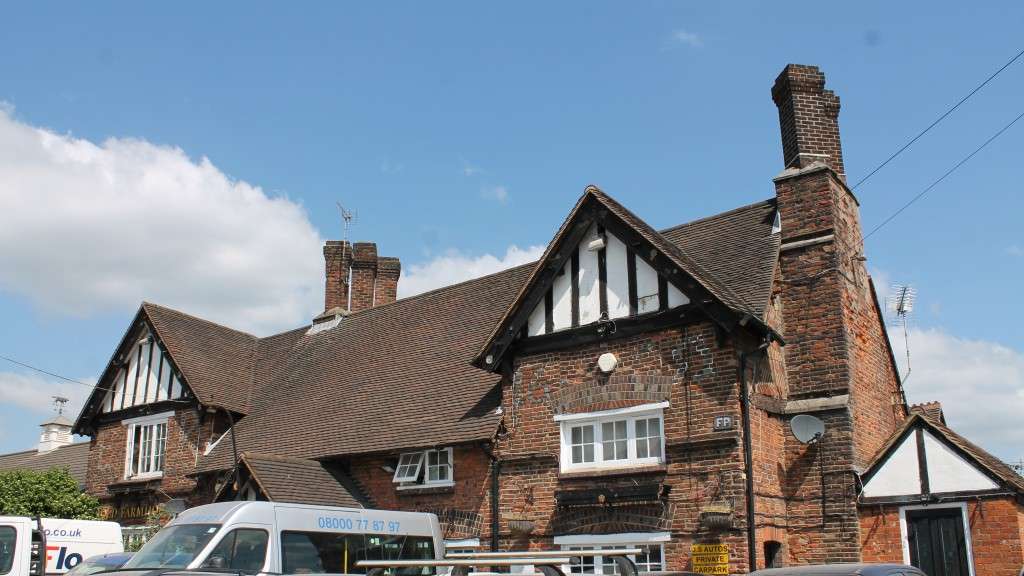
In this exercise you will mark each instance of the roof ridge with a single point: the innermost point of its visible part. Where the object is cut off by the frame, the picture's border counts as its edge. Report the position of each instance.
(718, 215)
(440, 289)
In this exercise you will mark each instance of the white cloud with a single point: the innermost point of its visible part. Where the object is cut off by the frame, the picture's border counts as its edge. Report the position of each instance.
(87, 228)
(680, 36)
(1015, 250)
(454, 267)
(980, 384)
(36, 393)
(498, 193)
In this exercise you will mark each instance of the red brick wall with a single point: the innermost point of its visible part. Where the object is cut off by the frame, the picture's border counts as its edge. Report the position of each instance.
(995, 535)
(337, 261)
(107, 453)
(703, 467)
(464, 509)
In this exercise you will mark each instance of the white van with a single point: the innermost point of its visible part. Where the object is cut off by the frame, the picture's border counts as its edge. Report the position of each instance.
(63, 543)
(278, 538)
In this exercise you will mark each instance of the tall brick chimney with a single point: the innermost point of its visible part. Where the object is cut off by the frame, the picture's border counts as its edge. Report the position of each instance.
(356, 278)
(836, 348)
(809, 118)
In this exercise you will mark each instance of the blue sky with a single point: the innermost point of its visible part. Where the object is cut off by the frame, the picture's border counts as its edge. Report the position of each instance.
(461, 130)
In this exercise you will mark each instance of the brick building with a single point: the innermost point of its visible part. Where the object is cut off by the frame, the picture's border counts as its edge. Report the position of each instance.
(632, 387)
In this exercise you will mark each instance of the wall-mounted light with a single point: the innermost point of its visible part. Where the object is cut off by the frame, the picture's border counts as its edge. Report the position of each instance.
(607, 362)
(605, 326)
(388, 469)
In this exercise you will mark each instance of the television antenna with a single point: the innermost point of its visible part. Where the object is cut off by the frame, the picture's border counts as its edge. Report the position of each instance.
(348, 218)
(901, 303)
(58, 404)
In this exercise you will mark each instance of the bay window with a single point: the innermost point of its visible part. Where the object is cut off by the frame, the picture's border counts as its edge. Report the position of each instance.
(613, 438)
(146, 444)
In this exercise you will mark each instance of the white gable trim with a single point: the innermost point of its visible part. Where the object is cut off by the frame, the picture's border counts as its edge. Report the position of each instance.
(951, 472)
(948, 471)
(899, 474)
(601, 250)
(147, 376)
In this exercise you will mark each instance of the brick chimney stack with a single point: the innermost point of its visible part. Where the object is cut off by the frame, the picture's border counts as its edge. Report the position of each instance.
(356, 278)
(809, 118)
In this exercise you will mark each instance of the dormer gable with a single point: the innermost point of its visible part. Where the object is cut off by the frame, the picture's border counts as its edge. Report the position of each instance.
(925, 460)
(141, 376)
(607, 269)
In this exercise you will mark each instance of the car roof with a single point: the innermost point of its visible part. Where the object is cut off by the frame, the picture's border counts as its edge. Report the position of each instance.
(839, 570)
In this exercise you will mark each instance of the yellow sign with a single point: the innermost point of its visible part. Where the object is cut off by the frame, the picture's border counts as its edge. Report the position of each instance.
(710, 558)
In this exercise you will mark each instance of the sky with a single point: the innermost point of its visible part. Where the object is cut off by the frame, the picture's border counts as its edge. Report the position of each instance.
(193, 154)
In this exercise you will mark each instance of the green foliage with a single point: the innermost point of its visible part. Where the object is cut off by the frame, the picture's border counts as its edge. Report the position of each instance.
(50, 494)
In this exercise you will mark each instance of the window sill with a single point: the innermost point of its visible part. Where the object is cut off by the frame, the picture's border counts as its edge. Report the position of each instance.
(142, 478)
(606, 472)
(436, 488)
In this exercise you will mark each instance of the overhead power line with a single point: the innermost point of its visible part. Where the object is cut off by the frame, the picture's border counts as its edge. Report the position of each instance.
(48, 373)
(937, 120)
(943, 177)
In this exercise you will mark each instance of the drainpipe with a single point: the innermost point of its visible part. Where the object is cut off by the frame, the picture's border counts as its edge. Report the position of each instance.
(748, 458)
(495, 492)
(495, 509)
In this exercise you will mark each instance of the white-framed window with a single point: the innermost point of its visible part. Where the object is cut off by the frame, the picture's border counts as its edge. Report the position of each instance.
(425, 468)
(651, 559)
(613, 438)
(146, 445)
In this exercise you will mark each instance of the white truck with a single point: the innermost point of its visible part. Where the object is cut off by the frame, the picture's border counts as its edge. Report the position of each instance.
(50, 546)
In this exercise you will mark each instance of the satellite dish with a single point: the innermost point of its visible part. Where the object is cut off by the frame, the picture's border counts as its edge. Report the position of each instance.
(806, 428)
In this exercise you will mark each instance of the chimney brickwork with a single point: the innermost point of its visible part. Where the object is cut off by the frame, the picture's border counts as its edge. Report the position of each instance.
(835, 338)
(356, 278)
(809, 118)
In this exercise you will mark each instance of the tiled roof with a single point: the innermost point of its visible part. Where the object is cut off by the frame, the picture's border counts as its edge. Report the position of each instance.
(74, 457)
(218, 363)
(738, 247)
(399, 376)
(388, 378)
(301, 481)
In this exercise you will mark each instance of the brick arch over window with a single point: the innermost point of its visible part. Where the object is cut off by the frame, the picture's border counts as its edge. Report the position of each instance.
(619, 391)
(652, 517)
(455, 523)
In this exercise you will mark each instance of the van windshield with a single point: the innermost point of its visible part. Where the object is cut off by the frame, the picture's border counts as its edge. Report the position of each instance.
(173, 546)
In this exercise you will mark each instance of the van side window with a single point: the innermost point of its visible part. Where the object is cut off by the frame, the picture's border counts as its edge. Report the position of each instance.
(8, 540)
(337, 553)
(242, 549)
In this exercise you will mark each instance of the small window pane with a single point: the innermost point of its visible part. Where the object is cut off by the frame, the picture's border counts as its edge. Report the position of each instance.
(438, 466)
(648, 438)
(582, 444)
(581, 564)
(408, 469)
(613, 440)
